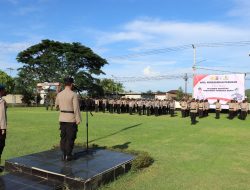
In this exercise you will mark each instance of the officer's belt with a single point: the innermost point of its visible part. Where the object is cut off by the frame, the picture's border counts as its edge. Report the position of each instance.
(64, 111)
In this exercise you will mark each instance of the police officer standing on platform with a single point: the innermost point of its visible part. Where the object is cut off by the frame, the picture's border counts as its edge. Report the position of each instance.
(69, 118)
(3, 121)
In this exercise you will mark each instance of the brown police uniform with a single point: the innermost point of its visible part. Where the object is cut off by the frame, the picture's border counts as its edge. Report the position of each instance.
(184, 107)
(193, 111)
(172, 107)
(69, 118)
(244, 110)
(217, 110)
(3, 123)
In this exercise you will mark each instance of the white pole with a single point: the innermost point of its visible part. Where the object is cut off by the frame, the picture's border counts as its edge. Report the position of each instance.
(194, 64)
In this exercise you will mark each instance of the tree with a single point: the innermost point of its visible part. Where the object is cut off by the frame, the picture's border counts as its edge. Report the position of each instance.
(51, 61)
(109, 86)
(180, 94)
(7, 81)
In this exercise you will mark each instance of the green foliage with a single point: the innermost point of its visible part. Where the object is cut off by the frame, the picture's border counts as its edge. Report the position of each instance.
(247, 92)
(180, 94)
(51, 61)
(109, 86)
(28, 97)
(7, 81)
(142, 160)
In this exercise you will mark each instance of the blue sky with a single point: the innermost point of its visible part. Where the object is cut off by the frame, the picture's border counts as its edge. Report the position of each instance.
(119, 27)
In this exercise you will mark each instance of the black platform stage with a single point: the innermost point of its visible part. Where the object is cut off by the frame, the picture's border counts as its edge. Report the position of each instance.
(88, 171)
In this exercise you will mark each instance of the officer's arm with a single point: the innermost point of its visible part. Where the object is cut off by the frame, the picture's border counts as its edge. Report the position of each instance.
(57, 103)
(77, 109)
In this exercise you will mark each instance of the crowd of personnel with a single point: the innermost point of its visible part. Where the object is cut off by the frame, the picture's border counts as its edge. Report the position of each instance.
(189, 107)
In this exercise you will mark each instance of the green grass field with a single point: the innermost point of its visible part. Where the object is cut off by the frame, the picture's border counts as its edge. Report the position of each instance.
(213, 154)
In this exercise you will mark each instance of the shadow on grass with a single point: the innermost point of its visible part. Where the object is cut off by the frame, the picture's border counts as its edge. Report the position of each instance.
(117, 132)
(121, 146)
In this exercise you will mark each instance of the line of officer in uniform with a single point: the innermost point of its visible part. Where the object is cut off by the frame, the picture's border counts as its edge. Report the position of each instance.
(141, 106)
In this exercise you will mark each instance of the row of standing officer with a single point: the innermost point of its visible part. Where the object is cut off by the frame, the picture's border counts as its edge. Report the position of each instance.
(140, 106)
(235, 108)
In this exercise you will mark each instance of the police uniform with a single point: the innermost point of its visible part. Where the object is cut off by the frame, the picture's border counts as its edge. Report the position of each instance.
(231, 109)
(206, 108)
(172, 107)
(118, 106)
(139, 104)
(193, 111)
(96, 105)
(131, 106)
(183, 108)
(148, 105)
(244, 109)
(69, 118)
(217, 109)
(3, 119)
(201, 109)
(104, 104)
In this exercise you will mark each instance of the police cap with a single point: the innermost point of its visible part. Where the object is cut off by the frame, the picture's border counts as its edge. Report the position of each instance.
(68, 80)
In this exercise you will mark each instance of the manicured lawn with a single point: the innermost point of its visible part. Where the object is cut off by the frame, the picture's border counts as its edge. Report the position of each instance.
(213, 154)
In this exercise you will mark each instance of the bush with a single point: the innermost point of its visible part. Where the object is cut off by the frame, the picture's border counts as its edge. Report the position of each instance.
(142, 160)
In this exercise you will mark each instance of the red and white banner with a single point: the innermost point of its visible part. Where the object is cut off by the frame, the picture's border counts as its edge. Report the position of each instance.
(222, 87)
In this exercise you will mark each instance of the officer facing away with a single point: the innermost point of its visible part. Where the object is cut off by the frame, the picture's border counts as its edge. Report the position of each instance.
(3, 121)
(69, 118)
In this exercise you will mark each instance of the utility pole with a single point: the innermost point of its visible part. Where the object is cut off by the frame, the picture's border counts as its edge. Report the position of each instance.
(186, 79)
(194, 64)
(13, 97)
(10, 70)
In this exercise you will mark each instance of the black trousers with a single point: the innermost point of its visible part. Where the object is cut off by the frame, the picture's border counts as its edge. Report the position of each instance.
(139, 110)
(68, 136)
(230, 114)
(201, 113)
(243, 115)
(144, 110)
(130, 110)
(2, 141)
(183, 113)
(96, 107)
(148, 111)
(103, 108)
(217, 114)
(118, 108)
(171, 112)
(193, 117)
(156, 111)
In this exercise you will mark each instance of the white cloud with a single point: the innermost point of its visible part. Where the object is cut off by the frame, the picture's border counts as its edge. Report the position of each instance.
(148, 71)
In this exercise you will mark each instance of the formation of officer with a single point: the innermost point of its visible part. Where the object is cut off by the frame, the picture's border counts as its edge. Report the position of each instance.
(239, 109)
(132, 106)
(164, 107)
(70, 117)
(3, 121)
